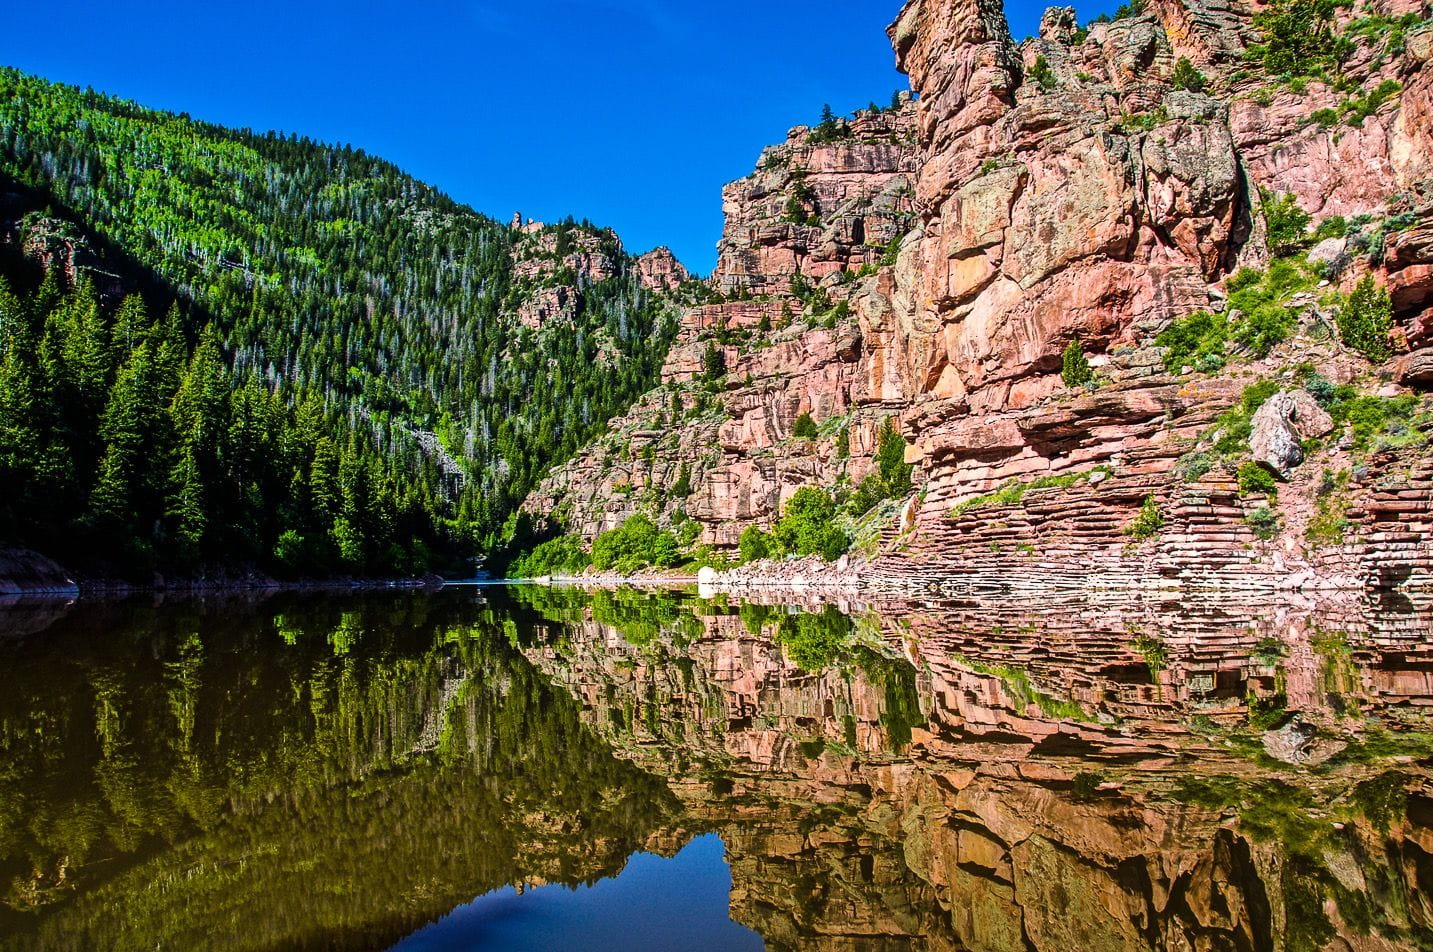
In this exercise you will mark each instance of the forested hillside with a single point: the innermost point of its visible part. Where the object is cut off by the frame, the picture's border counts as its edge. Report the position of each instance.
(334, 306)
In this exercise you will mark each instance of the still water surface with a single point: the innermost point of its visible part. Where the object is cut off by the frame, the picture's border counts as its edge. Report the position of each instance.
(539, 769)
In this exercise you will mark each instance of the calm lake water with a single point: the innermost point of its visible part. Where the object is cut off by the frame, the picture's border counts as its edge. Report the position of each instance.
(536, 769)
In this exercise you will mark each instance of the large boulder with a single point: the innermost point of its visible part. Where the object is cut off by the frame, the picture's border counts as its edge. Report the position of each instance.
(1281, 425)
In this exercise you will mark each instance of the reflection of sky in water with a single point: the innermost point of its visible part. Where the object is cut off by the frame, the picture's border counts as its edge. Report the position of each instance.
(653, 904)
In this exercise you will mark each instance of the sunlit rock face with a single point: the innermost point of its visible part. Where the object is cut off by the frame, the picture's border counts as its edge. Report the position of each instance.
(1096, 205)
(1043, 776)
(1070, 190)
(802, 318)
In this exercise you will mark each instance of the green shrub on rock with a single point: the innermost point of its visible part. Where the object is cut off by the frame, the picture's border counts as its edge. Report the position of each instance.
(1255, 478)
(563, 555)
(1042, 75)
(807, 526)
(755, 545)
(1148, 523)
(637, 544)
(1188, 78)
(1286, 224)
(805, 428)
(1077, 371)
(1198, 341)
(1365, 320)
(1299, 38)
(1264, 521)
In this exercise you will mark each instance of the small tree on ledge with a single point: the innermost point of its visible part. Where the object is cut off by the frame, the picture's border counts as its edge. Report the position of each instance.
(1188, 78)
(1077, 371)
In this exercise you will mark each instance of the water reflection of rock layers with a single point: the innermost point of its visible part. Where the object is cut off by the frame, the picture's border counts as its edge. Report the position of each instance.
(1077, 776)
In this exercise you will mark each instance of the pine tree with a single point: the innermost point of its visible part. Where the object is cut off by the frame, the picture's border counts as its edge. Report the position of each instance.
(714, 362)
(1076, 371)
(188, 507)
(135, 430)
(19, 427)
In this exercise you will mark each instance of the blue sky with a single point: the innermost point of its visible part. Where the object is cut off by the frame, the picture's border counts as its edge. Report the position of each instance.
(632, 113)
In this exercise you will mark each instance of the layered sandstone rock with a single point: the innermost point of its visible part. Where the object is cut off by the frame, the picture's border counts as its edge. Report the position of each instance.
(823, 346)
(552, 264)
(1036, 196)
(659, 269)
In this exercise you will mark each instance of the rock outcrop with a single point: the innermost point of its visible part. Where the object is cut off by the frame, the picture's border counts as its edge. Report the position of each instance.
(802, 323)
(1089, 188)
(1280, 427)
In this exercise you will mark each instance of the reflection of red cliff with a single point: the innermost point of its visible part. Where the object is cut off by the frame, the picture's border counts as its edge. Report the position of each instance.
(975, 835)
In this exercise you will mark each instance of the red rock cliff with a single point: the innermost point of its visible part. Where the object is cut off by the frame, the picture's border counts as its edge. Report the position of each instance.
(1088, 188)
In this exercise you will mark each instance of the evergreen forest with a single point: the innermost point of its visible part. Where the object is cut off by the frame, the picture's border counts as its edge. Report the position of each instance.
(222, 349)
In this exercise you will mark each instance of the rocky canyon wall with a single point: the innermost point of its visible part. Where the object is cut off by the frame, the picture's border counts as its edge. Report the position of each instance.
(1091, 187)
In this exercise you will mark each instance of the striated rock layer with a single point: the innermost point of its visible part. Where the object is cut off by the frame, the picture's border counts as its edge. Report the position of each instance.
(937, 262)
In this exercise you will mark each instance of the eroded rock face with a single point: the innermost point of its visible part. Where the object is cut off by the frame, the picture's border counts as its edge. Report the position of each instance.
(548, 264)
(659, 269)
(1033, 196)
(803, 320)
(1070, 193)
(819, 204)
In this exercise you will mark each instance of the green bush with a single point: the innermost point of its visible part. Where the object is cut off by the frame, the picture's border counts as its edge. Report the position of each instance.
(1197, 341)
(1255, 479)
(1261, 299)
(1264, 319)
(564, 555)
(1335, 226)
(1287, 224)
(1299, 38)
(807, 526)
(1041, 74)
(1321, 389)
(805, 428)
(1076, 371)
(682, 488)
(1148, 523)
(1188, 78)
(1376, 421)
(1264, 521)
(892, 478)
(755, 545)
(1365, 320)
(637, 544)
(1268, 713)
(1193, 467)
